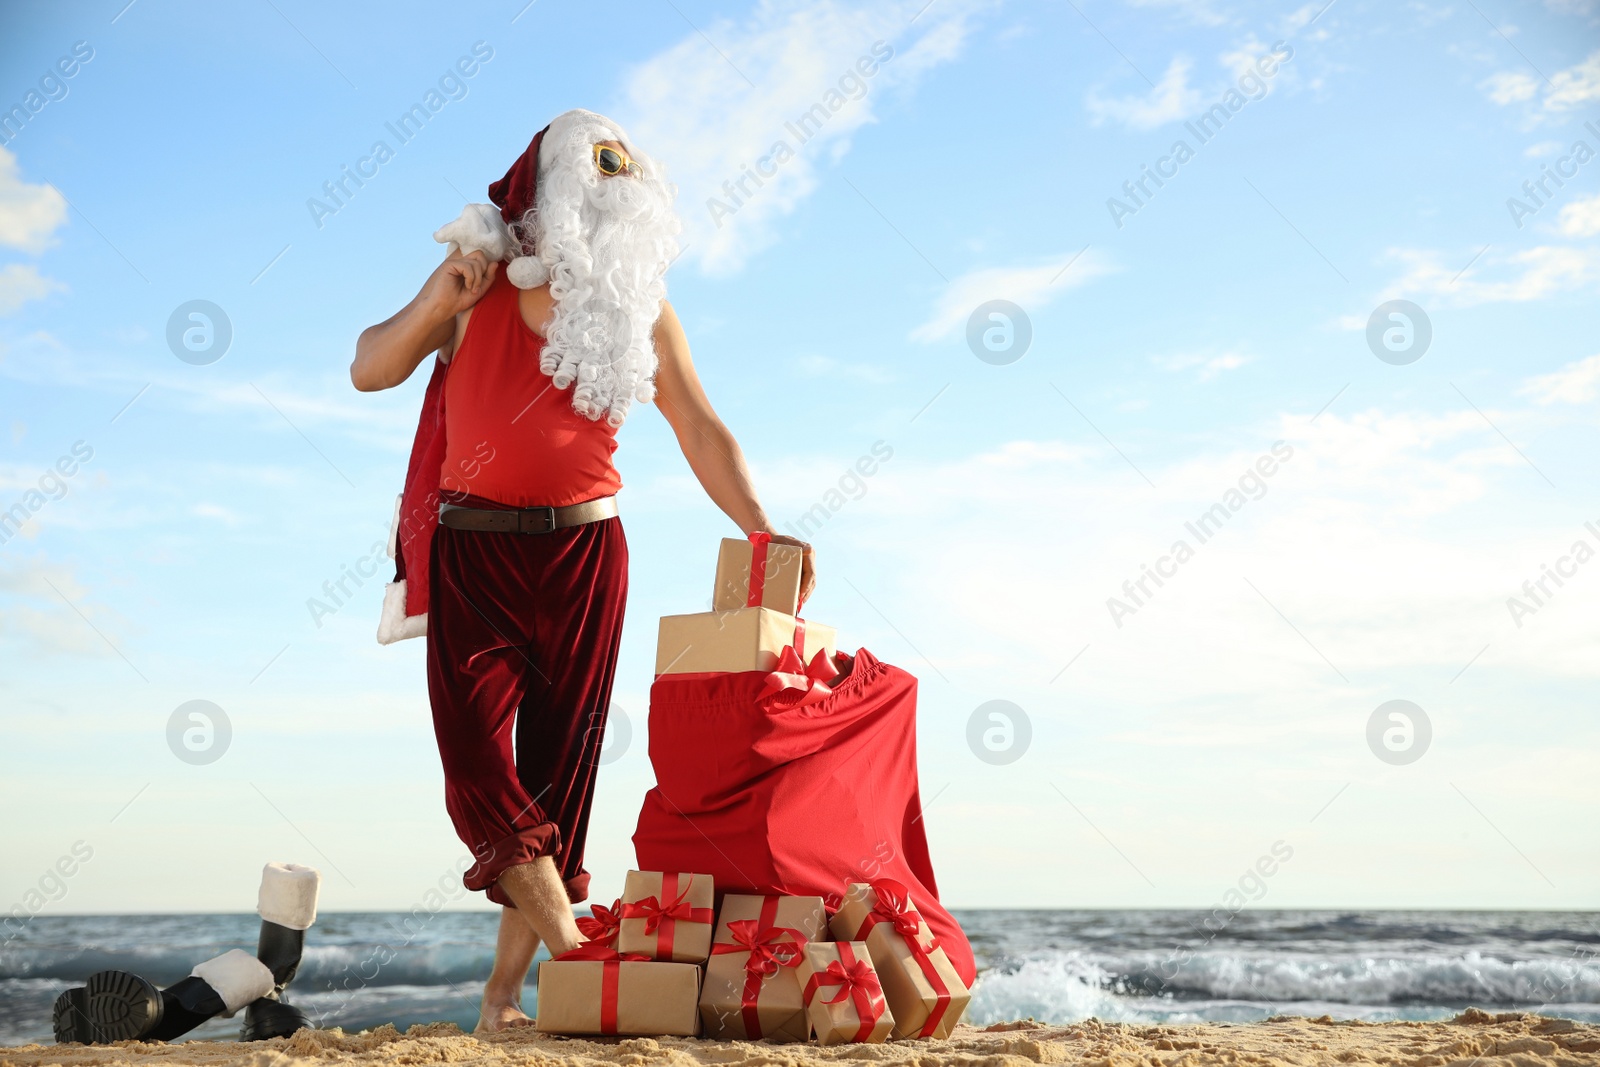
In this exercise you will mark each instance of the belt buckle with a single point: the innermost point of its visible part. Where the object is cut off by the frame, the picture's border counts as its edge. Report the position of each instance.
(547, 516)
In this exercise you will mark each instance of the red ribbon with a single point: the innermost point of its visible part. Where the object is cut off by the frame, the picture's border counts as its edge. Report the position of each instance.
(894, 907)
(758, 568)
(602, 927)
(770, 948)
(611, 962)
(662, 919)
(857, 980)
(793, 684)
(593, 952)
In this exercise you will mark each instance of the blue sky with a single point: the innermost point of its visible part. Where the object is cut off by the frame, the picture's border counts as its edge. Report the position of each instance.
(1169, 746)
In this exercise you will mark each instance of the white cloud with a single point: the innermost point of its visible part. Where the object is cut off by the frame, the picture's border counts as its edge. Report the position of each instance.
(1030, 287)
(1532, 274)
(799, 57)
(1174, 99)
(1577, 86)
(21, 283)
(1581, 218)
(1301, 16)
(36, 619)
(1510, 87)
(1542, 149)
(1385, 538)
(1171, 100)
(1200, 12)
(1576, 383)
(29, 214)
(1210, 365)
(1241, 60)
(325, 401)
(1430, 16)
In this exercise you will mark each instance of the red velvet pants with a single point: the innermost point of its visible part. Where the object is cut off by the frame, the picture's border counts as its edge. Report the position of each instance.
(522, 649)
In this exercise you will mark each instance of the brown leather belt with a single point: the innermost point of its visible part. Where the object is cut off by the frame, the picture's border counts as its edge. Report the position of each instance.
(539, 520)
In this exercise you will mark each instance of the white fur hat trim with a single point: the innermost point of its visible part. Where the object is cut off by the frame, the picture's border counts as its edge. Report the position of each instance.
(289, 895)
(477, 229)
(528, 272)
(560, 131)
(238, 978)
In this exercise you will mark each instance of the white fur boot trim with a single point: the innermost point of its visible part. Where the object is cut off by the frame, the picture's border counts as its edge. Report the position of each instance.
(528, 272)
(477, 229)
(394, 624)
(289, 895)
(238, 978)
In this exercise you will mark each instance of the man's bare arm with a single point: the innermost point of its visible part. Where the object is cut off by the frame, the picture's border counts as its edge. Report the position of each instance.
(707, 444)
(387, 353)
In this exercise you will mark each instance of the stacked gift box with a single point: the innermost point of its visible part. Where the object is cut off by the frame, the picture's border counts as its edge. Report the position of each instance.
(664, 961)
(669, 959)
(753, 619)
(639, 971)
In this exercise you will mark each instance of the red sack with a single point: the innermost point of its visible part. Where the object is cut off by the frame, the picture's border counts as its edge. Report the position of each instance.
(780, 791)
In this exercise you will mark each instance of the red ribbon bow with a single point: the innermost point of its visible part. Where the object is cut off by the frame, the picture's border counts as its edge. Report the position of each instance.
(793, 684)
(770, 948)
(602, 927)
(894, 907)
(857, 980)
(654, 913)
(661, 919)
(849, 978)
(611, 962)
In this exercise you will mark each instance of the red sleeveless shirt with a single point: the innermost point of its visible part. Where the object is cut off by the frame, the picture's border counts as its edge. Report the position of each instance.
(511, 437)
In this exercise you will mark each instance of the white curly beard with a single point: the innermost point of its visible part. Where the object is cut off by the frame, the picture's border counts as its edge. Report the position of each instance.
(606, 244)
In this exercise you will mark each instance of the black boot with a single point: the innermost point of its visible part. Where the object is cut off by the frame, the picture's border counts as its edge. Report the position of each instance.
(121, 1006)
(279, 948)
(288, 907)
(110, 1006)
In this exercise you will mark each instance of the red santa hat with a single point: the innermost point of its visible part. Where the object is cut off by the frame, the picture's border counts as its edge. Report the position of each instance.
(496, 228)
(514, 195)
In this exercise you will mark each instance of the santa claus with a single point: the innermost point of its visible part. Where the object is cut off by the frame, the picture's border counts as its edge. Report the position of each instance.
(509, 551)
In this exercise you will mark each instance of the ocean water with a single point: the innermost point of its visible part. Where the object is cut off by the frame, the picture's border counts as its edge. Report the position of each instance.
(363, 970)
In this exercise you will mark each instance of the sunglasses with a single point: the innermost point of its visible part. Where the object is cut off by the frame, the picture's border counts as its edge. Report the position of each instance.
(611, 162)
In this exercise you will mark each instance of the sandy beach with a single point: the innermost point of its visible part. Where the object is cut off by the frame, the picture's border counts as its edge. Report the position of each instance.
(1472, 1038)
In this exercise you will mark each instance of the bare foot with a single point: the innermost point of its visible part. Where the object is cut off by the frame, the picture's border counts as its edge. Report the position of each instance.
(496, 1017)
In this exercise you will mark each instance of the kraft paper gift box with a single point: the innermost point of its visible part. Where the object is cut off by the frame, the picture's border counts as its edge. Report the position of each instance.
(667, 916)
(805, 915)
(844, 999)
(744, 639)
(923, 989)
(752, 988)
(757, 575)
(596, 990)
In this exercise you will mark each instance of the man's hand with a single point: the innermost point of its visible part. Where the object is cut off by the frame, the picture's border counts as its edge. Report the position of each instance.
(387, 353)
(808, 564)
(458, 283)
